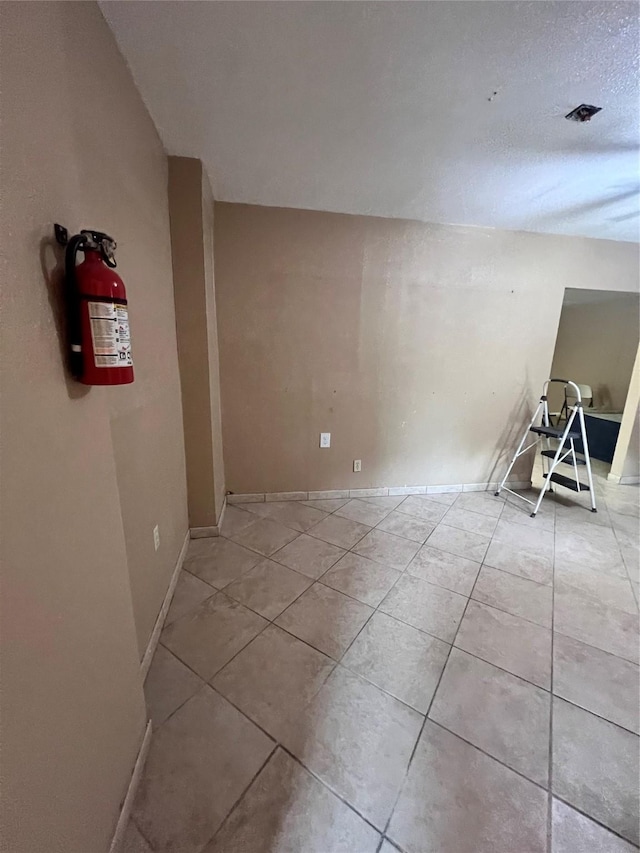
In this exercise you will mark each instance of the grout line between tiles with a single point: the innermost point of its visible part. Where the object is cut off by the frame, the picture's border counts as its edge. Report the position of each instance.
(509, 612)
(595, 820)
(240, 798)
(489, 755)
(426, 716)
(550, 758)
(329, 788)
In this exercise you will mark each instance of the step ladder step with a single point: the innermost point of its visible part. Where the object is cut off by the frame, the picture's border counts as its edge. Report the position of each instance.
(568, 483)
(554, 432)
(568, 461)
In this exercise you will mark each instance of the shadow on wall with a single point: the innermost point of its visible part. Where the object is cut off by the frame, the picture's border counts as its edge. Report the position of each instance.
(52, 265)
(519, 418)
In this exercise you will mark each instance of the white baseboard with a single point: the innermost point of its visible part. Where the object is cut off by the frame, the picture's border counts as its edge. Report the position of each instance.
(204, 532)
(633, 480)
(214, 529)
(134, 782)
(162, 615)
(382, 491)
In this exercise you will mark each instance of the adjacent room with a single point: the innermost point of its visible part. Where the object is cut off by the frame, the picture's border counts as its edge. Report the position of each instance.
(596, 345)
(320, 443)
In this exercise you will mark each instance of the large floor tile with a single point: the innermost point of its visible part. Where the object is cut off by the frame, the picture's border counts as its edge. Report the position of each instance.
(286, 810)
(497, 712)
(520, 513)
(209, 636)
(600, 554)
(273, 679)
(365, 513)
(520, 561)
(577, 519)
(339, 531)
(628, 524)
(294, 514)
(474, 522)
(507, 641)
(407, 526)
(584, 617)
(448, 570)
(611, 590)
(312, 557)
(527, 538)
(269, 588)
(424, 508)
(602, 683)
(595, 768)
(456, 799)
(234, 520)
(572, 832)
(326, 619)
(516, 595)
(472, 546)
(483, 502)
(265, 536)
(222, 562)
(358, 740)
(199, 763)
(360, 578)
(387, 549)
(430, 608)
(582, 526)
(399, 659)
(190, 591)
(168, 685)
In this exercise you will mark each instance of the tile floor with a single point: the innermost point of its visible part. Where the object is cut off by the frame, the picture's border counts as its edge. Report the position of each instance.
(430, 674)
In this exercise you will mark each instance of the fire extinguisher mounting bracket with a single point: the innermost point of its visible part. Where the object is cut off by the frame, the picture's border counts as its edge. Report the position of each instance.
(96, 241)
(61, 234)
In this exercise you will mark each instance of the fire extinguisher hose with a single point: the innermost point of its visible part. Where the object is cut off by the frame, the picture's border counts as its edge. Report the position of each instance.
(74, 331)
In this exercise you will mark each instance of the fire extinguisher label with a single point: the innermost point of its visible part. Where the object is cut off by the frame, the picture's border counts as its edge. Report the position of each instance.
(110, 334)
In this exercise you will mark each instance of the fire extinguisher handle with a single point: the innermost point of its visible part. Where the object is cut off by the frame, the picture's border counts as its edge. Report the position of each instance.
(103, 243)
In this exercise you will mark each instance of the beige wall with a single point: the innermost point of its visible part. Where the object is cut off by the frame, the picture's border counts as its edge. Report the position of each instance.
(597, 345)
(421, 348)
(191, 205)
(625, 465)
(86, 473)
(213, 348)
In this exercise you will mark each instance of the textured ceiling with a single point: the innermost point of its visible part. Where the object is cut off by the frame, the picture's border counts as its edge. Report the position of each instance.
(388, 108)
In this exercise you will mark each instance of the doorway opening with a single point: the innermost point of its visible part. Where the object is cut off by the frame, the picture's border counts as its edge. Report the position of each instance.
(597, 348)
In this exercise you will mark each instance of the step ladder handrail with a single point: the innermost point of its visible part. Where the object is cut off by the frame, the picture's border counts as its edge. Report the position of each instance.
(564, 382)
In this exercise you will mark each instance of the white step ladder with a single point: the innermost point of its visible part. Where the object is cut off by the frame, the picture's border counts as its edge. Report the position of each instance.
(566, 436)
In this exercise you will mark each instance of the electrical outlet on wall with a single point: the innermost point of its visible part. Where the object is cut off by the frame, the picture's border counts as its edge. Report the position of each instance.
(325, 439)
(357, 465)
(156, 537)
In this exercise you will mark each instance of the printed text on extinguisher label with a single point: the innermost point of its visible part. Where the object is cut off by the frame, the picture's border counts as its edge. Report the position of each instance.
(110, 334)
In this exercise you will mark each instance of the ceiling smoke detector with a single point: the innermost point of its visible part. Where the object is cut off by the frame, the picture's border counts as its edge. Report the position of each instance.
(583, 113)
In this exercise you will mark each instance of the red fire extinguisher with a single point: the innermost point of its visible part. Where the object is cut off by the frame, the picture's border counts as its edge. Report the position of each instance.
(99, 338)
